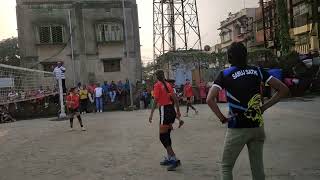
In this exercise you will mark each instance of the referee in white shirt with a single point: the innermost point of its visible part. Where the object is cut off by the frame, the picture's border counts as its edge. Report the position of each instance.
(58, 72)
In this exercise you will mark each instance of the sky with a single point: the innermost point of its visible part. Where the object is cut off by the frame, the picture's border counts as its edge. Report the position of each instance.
(211, 12)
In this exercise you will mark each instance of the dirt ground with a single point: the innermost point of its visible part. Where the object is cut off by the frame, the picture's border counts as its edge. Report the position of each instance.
(124, 146)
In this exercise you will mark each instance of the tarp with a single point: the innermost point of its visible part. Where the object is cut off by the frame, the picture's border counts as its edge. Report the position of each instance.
(6, 82)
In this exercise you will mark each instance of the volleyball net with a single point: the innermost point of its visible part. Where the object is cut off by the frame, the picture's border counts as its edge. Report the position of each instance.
(19, 84)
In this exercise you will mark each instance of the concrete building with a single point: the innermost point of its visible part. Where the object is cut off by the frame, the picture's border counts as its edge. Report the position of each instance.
(97, 40)
(238, 27)
(304, 28)
(266, 36)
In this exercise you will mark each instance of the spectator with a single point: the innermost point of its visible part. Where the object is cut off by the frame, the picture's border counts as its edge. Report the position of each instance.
(120, 88)
(113, 91)
(5, 116)
(126, 93)
(79, 86)
(84, 99)
(91, 88)
(12, 96)
(105, 88)
(58, 72)
(98, 92)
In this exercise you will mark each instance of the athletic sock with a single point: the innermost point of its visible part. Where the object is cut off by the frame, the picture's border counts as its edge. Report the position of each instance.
(71, 122)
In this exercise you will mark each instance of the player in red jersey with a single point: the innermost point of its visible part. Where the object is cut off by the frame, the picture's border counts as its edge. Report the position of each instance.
(166, 100)
(73, 104)
(188, 93)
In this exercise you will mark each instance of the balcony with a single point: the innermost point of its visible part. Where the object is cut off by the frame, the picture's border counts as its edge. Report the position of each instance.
(303, 29)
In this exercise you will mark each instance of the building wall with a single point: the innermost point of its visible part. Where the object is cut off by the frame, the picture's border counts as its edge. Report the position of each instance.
(244, 18)
(304, 30)
(89, 54)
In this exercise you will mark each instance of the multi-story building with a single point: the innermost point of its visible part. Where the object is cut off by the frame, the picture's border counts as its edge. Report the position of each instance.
(265, 31)
(238, 27)
(98, 40)
(304, 27)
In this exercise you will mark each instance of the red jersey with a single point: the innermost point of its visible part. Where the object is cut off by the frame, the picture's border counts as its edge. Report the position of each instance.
(188, 92)
(161, 95)
(73, 101)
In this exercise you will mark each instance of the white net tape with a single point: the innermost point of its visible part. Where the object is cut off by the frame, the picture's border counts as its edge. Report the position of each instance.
(19, 84)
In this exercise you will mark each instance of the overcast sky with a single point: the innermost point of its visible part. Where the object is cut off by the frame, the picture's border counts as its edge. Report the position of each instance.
(211, 12)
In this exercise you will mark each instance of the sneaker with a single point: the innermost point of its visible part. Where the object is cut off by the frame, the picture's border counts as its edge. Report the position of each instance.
(197, 112)
(83, 129)
(101, 111)
(166, 162)
(186, 115)
(71, 129)
(173, 166)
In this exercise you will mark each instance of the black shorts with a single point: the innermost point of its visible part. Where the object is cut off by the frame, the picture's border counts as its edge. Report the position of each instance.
(74, 111)
(167, 114)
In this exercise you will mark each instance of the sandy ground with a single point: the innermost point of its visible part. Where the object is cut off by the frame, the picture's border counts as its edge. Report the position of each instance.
(123, 146)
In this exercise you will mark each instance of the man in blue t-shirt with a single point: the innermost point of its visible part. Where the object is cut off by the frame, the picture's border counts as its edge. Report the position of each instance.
(245, 122)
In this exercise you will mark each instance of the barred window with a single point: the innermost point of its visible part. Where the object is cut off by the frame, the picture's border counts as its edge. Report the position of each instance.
(109, 32)
(111, 65)
(51, 34)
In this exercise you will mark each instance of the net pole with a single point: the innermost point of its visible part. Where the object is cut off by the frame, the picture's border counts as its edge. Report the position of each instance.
(62, 107)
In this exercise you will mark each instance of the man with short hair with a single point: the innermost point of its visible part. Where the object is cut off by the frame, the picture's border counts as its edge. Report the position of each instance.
(245, 122)
(58, 72)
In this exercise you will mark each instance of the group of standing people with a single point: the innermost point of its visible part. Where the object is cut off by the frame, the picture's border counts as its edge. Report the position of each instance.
(103, 94)
(244, 121)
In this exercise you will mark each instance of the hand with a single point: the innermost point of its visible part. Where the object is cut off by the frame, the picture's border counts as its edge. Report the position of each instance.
(180, 123)
(224, 120)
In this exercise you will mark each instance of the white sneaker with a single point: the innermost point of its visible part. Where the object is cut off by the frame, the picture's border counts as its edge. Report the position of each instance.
(101, 111)
(83, 129)
(71, 129)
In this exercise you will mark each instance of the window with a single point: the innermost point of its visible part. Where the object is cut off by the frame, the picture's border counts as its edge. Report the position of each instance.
(51, 34)
(111, 65)
(300, 9)
(302, 39)
(226, 36)
(109, 32)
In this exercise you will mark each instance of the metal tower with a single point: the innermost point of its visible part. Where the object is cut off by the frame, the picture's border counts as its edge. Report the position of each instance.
(175, 26)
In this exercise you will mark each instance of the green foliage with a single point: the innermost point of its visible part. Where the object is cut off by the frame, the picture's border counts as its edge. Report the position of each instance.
(262, 57)
(193, 56)
(284, 35)
(9, 52)
(289, 61)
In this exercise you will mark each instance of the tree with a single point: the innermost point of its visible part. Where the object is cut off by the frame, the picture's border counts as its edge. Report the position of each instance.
(9, 52)
(284, 35)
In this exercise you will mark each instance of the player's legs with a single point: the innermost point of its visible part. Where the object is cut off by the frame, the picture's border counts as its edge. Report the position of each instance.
(101, 104)
(255, 150)
(71, 120)
(167, 118)
(235, 140)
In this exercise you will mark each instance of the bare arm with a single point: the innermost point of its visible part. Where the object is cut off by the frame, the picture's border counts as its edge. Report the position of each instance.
(153, 108)
(176, 102)
(282, 91)
(213, 93)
